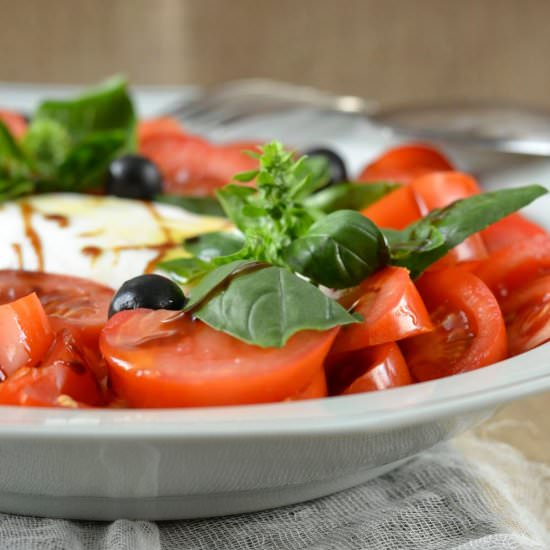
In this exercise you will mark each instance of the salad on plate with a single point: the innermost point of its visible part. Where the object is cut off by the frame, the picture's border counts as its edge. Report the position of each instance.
(143, 266)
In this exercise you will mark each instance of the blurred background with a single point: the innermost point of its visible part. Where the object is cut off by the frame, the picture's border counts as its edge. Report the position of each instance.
(391, 50)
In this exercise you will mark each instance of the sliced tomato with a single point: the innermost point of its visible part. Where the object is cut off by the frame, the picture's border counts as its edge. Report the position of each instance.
(514, 266)
(439, 189)
(368, 369)
(63, 378)
(154, 126)
(192, 166)
(469, 327)
(391, 309)
(513, 229)
(315, 390)
(166, 359)
(395, 211)
(77, 302)
(404, 163)
(25, 334)
(16, 124)
(527, 315)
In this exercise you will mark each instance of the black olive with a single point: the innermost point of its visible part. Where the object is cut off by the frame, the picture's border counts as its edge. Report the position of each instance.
(338, 171)
(147, 291)
(133, 177)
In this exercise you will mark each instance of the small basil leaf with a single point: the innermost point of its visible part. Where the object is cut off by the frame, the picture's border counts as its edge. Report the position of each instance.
(429, 239)
(185, 270)
(86, 163)
(216, 278)
(233, 199)
(314, 173)
(338, 251)
(246, 176)
(215, 244)
(206, 206)
(104, 108)
(349, 196)
(267, 306)
(14, 188)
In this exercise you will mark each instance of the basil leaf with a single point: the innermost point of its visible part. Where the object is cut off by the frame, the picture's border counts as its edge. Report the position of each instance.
(424, 242)
(216, 278)
(206, 206)
(314, 173)
(234, 199)
(102, 109)
(215, 244)
(185, 270)
(349, 196)
(86, 164)
(267, 306)
(338, 251)
(13, 189)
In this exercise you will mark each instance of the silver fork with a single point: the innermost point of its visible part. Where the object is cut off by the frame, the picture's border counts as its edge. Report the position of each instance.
(504, 128)
(237, 100)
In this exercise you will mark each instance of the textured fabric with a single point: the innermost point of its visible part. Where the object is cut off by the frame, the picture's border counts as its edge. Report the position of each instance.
(439, 500)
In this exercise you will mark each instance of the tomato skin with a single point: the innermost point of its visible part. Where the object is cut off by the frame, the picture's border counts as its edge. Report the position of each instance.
(192, 166)
(155, 126)
(527, 315)
(395, 211)
(516, 265)
(73, 301)
(469, 327)
(63, 378)
(368, 369)
(185, 363)
(315, 390)
(392, 309)
(404, 163)
(513, 229)
(25, 334)
(16, 124)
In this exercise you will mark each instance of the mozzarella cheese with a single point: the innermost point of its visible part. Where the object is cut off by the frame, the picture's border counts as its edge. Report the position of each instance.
(106, 239)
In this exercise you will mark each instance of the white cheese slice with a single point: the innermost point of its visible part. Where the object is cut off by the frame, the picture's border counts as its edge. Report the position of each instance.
(106, 239)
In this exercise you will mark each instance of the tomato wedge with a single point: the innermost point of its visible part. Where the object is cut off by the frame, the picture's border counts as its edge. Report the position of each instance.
(514, 266)
(79, 303)
(469, 328)
(192, 166)
(513, 229)
(63, 378)
(439, 189)
(315, 390)
(391, 308)
(404, 163)
(25, 334)
(369, 369)
(16, 124)
(154, 126)
(527, 315)
(395, 211)
(166, 359)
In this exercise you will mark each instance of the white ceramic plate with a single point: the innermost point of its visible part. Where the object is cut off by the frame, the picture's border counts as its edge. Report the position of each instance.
(213, 461)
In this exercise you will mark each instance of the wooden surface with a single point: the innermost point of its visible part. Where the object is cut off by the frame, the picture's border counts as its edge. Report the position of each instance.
(391, 50)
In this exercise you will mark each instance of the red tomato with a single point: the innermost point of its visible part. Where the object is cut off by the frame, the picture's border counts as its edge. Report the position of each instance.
(63, 378)
(404, 163)
(16, 124)
(469, 328)
(25, 334)
(513, 229)
(160, 125)
(79, 303)
(368, 369)
(516, 265)
(439, 189)
(192, 166)
(396, 210)
(527, 315)
(166, 359)
(315, 390)
(391, 308)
